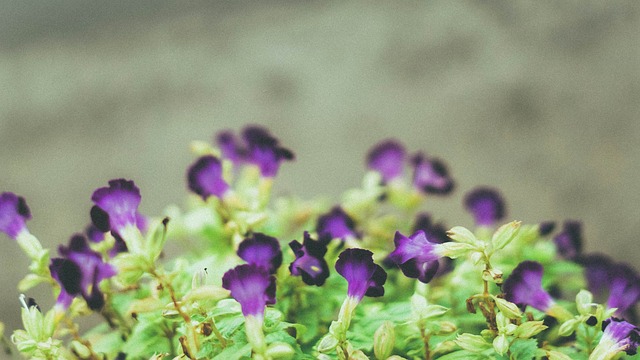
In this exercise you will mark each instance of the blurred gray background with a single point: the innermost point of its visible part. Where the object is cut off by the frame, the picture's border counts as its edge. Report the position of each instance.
(539, 99)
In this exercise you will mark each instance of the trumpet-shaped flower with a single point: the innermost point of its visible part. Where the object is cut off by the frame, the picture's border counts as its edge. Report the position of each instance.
(14, 214)
(364, 277)
(252, 286)
(416, 256)
(205, 177)
(431, 175)
(79, 272)
(116, 206)
(524, 287)
(387, 158)
(486, 205)
(261, 250)
(618, 335)
(309, 262)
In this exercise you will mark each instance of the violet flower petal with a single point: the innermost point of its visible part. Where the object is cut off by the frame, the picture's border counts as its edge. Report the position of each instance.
(524, 286)
(624, 335)
(364, 277)
(336, 224)
(252, 286)
(14, 214)
(546, 227)
(597, 273)
(431, 175)
(261, 250)
(120, 202)
(569, 241)
(486, 205)
(309, 262)
(205, 177)
(415, 255)
(264, 150)
(624, 288)
(230, 147)
(387, 158)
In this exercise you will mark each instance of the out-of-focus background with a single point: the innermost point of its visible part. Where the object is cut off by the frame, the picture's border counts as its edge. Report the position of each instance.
(539, 99)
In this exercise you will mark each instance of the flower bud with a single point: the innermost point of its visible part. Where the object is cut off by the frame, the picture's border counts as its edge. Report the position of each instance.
(505, 234)
(199, 279)
(280, 350)
(473, 343)
(461, 234)
(501, 344)
(384, 340)
(358, 355)
(327, 344)
(530, 329)
(568, 327)
(557, 355)
(507, 308)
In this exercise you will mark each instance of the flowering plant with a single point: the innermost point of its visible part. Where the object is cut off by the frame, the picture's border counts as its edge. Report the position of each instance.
(371, 277)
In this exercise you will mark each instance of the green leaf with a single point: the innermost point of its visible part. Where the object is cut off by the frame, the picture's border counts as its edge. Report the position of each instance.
(524, 349)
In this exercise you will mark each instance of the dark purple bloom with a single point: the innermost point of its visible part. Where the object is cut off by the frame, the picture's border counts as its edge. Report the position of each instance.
(486, 205)
(569, 241)
(14, 214)
(524, 287)
(365, 278)
(416, 256)
(261, 250)
(309, 262)
(94, 234)
(597, 272)
(230, 147)
(336, 224)
(387, 158)
(79, 272)
(546, 227)
(252, 286)
(119, 201)
(264, 150)
(431, 175)
(205, 177)
(624, 288)
(620, 335)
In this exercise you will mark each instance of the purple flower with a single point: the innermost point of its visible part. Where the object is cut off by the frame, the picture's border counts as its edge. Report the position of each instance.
(264, 150)
(79, 272)
(261, 250)
(597, 272)
(569, 241)
(94, 234)
(364, 277)
(14, 214)
(524, 287)
(118, 203)
(387, 158)
(336, 224)
(252, 286)
(431, 175)
(416, 256)
(309, 262)
(486, 205)
(205, 177)
(624, 288)
(619, 335)
(230, 148)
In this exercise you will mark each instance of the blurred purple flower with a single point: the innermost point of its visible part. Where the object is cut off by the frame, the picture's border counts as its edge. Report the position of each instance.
(387, 158)
(569, 240)
(431, 175)
(205, 177)
(486, 205)
(14, 214)
(524, 287)
(336, 224)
